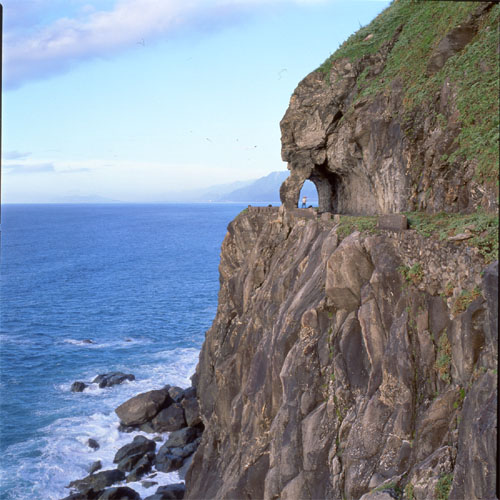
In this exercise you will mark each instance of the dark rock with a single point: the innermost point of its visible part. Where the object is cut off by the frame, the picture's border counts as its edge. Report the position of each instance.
(112, 378)
(176, 393)
(148, 484)
(121, 493)
(474, 474)
(127, 428)
(176, 491)
(88, 341)
(143, 407)
(187, 450)
(191, 411)
(169, 492)
(147, 427)
(190, 392)
(139, 446)
(77, 496)
(142, 467)
(93, 444)
(452, 43)
(181, 438)
(78, 386)
(97, 465)
(97, 482)
(169, 419)
(168, 463)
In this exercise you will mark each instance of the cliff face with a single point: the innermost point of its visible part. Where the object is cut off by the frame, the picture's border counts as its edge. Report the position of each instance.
(403, 117)
(331, 370)
(345, 364)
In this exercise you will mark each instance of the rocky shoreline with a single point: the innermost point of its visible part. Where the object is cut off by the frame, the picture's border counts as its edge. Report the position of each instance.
(171, 410)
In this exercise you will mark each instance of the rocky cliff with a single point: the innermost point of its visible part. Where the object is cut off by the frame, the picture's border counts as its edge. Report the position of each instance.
(347, 361)
(331, 371)
(404, 116)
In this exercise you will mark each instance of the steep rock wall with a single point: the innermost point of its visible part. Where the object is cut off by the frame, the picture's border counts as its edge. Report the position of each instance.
(403, 117)
(330, 373)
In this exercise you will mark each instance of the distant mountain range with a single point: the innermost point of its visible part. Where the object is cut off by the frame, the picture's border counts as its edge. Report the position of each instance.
(263, 190)
(266, 190)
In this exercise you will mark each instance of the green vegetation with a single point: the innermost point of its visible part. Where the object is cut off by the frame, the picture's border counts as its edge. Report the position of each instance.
(392, 486)
(409, 491)
(460, 400)
(465, 299)
(350, 223)
(443, 358)
(443, 487)
(473, 74)
(482, 226)
(413, 274)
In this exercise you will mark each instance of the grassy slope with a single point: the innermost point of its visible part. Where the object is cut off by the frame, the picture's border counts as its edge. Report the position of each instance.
(473, 71)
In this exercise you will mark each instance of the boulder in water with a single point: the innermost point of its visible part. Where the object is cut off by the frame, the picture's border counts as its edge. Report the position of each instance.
(169, 419)
(94, 483)
(169, 492)
(120, 493)
(78, 386)
(143, 407)
(139, 446)
(93, 444)
(112, 378)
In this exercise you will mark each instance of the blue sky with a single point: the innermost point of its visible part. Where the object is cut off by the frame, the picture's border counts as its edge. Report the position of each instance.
(135, 100)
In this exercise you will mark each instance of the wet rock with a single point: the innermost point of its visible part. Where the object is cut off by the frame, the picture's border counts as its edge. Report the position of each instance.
(169, 492)
(127, 428)
(168, 463)
(143, 407)
(78, 386)
(112, 378)
(121, 493)
(97, 482)
(141, 468)
(169, 419)
(93, 444)
(182, 437)
(97, 465)
(148, 484)
(137, 448)
(76, 496)
(147, 427)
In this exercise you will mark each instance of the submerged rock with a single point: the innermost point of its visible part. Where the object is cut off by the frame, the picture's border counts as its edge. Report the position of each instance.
(78, 386)
(93, 444)
(112, 378)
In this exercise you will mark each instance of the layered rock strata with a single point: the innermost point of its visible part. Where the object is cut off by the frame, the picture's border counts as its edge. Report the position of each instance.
(328, 374)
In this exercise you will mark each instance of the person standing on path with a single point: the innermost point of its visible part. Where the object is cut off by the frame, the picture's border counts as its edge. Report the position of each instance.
(304, 200)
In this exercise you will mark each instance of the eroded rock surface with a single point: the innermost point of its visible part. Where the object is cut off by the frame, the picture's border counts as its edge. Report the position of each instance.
(357, 136)
(327, 374)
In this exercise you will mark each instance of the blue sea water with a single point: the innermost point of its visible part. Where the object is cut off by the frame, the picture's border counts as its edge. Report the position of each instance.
(140, 281)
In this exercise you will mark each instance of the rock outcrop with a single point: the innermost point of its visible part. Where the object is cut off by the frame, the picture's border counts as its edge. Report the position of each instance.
(332, 372)
(395, 121)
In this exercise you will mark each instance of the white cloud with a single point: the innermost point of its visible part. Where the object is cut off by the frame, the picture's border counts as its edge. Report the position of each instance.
(34, 51)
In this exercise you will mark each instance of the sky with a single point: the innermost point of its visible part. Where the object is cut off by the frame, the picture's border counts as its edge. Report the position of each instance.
(139, 100)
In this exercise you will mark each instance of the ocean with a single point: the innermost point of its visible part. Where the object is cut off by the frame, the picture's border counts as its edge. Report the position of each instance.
(140, 282)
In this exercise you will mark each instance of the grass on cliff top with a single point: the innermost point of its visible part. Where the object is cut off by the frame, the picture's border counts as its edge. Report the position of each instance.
(482, 226)
(473, 72)
(350, 223)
